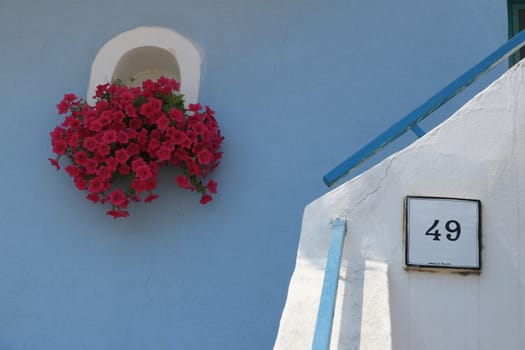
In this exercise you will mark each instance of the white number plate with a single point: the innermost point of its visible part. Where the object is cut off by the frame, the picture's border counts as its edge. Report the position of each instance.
(442, 233)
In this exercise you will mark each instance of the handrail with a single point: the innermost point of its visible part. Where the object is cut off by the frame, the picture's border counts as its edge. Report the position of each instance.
(410, 120)
(325, 314)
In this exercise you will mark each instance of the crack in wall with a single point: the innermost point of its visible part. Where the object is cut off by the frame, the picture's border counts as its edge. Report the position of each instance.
(376, 187)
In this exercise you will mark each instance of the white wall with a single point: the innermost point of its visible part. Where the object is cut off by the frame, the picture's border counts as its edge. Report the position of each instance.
(478, 153)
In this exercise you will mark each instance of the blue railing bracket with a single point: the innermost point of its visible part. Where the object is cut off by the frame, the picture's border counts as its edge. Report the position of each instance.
(325, 314)
(417, 130)
(410, 120)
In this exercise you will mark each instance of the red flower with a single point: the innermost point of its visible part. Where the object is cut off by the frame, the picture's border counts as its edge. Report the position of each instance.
(212, 186)
(112, 163)
(143, 172)
(124, 169)
(122, 156)
(63, 106)
(205, 198)
(123, 137)
(91, 166)
(151, 108)
(199, 128)
(95, 185)
(105, 118)
(80, 158)
(80, 183)
(150, 198)
(127, 135)
(109, 136)
(130, 110)
(118, 213)
(59, 147)
(163, 122)
(195, 107)
(54, 162)
(178, 137)
(93, 197)
(204, 157)
(90, 143)
(72, 170)
(103, 149)
(104, 173)
(193, 168)
(95, 125)
(135, 124)
(184, 182)
(138, 186)
(164, 153)
(133, 149)
(117, 197)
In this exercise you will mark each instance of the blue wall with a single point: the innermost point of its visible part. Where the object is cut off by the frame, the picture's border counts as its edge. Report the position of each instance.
(297, 86)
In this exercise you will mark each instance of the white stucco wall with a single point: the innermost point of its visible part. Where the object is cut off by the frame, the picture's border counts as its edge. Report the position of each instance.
(477, 153)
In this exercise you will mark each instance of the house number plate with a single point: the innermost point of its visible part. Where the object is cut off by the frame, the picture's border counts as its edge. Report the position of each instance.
(442, 233)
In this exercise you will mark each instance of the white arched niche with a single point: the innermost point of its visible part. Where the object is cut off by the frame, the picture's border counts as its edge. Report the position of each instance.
(148, 53)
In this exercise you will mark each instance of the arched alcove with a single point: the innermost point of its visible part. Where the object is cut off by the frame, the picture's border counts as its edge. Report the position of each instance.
(148, 52)
(147, 62)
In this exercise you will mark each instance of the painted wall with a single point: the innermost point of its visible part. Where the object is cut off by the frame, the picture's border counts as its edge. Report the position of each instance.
(297, 86)
(478, 154)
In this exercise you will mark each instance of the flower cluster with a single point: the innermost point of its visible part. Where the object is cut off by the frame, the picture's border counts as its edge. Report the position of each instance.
(117, 146)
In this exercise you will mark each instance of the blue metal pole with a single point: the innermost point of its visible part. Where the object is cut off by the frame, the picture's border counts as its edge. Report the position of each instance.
(325, 315)
(426, 108)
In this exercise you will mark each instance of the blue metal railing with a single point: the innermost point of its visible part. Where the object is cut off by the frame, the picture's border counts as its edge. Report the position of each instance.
(325, 314)
(410, 120)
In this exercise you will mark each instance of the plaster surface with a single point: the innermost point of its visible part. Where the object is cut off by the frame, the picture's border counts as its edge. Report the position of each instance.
(478, 153)
(297, 86)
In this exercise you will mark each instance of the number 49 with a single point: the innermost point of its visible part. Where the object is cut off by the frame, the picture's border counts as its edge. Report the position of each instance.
(452, 226)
